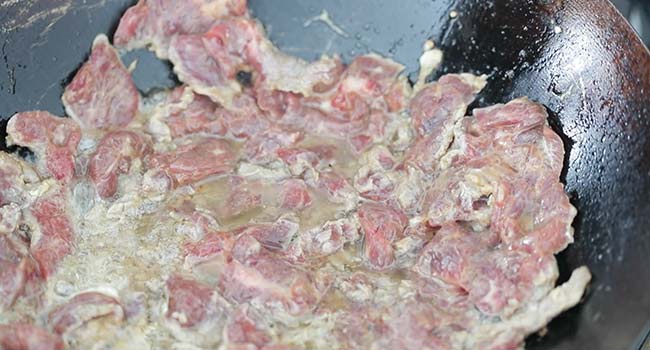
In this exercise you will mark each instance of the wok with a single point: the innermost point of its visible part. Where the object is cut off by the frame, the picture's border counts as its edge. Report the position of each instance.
(577, 57)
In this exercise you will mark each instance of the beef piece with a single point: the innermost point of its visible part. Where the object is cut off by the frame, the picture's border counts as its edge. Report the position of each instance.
(510, 333)
(465, 193)
(210, 62)
(56, 236)
(514, 132)
(411, 184)
(500, 281)
(190, 113)
(518, 132)
(273, 236)
(83, 308)
(440, 104)
(368, 76)
(374, 179)
(375, 132)
(15, 178)
(286, 108)
(358, 328)
(495, 279)
(12, 280)
(154, 22)
(335, 186)
(240, 200)
(279, 71)
(258, 277)
(434, 111)
(113, 156)
(53, 139)
(194, 223)
(214, 245)
(102, 94)
(515, 159)
(193, 161)
(534, 215)
(347, 116)
(194, 314)
(405, 324)
(346, 109)
(381, 226)
(295, 195)
(16, 268)
(245, 330)
(414, 326)
(329, 238)
(218, 245)
(398, 95)
(262, 147)
(24, 336)
(195, 67)
(448, 255)
(244, 119)
(10, 215)
(304, 159)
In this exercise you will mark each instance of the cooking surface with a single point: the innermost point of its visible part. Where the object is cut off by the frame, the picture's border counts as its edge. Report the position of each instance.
(637, 12)
(593, 81)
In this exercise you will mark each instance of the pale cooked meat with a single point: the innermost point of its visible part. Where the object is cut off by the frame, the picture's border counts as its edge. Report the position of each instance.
(210, 62)
(274, 203)
(29, 337)
(102, 95)
(154, 22)
(53, 139)
(113, 156)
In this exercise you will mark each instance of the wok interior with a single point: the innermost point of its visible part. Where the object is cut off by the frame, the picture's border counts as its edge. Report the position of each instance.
(579, 58)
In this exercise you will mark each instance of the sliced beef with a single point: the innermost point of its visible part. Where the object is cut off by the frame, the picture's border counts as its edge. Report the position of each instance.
(374, 179)
(83, 308)
(16, 268)
(154, 22)
(329, 238)
(24, 336)
(440, 104)
(53, 139)
(113, 156)
(257, 276)
(381, 226)
(273, 236)
(102, 94)
(195, 67)
(246, 331)
(434, 111)
(192, 161)
(194, 313)
(240, 200)
(304, 159)
(295, 195)
(55, 239)
(261, 148)
(188, 113)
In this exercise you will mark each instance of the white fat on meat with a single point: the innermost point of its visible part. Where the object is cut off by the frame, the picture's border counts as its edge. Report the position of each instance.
(275, 171)
(292, 74)
(429, 61)
(532, 318)
(409, 188)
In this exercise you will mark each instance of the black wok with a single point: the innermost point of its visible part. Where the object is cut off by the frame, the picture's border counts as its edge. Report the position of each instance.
(578, 57)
